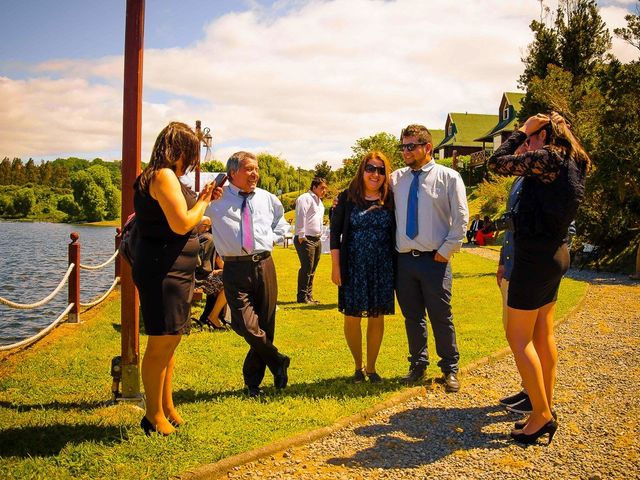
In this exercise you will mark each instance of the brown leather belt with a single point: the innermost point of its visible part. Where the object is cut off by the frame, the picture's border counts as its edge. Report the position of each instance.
(255, 258)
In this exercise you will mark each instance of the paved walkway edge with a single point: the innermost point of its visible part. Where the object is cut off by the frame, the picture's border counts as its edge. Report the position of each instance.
(222, 467)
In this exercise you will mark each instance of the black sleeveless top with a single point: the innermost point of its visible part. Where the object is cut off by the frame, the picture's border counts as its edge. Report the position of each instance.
(152, 222)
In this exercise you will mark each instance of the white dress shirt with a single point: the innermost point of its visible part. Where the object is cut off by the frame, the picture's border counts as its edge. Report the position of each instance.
(267, 214)
(442, 209)
(309, 215)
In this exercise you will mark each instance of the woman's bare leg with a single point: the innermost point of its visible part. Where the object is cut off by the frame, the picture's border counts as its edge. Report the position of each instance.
(375, 332)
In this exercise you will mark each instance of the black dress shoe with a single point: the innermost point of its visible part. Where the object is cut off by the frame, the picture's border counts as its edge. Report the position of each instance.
(150, 428)
(415, 375)
(451, 383)
(254, 392)
(281, 378)
(548, 428)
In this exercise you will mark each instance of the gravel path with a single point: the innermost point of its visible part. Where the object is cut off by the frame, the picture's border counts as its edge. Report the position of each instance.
(465, 435)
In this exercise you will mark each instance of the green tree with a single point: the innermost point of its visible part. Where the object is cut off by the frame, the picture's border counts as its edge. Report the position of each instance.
(24, 201)
(213, 166)
(89, 196)
(112, 198)
(6, 205)
(17, 172)
(68, 205)
(583, 37)
(5, 171)
(382, 141)
(100, 175)
(577, 43)
(323, 169)
(630, 33)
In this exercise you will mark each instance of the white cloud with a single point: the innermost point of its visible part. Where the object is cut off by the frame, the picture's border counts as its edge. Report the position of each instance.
(305, 84)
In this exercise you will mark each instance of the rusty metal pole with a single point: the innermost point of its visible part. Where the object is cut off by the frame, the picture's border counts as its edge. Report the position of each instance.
(199, 135)
(131, 146)
(118, 239)
(74, 279)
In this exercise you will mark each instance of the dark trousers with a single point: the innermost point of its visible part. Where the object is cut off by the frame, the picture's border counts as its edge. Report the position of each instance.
(252, 290)
(309, 252)
(422, 283)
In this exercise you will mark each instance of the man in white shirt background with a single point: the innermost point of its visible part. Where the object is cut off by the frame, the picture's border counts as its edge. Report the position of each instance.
(308, 229)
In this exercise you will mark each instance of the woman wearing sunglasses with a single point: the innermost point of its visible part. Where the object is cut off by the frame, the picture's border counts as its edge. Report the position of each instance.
(554, 168)
(362, 250)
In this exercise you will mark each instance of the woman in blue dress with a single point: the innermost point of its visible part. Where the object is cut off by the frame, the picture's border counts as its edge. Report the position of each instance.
(362, 255)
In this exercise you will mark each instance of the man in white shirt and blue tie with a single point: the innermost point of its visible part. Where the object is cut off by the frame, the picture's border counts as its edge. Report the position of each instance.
(431, 218)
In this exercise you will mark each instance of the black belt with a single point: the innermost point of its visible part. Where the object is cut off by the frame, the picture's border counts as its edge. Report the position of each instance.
(255, 258)
(418, 253)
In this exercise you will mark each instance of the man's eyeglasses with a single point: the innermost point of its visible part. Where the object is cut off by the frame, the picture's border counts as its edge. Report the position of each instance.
(410, 146)
(370, 168)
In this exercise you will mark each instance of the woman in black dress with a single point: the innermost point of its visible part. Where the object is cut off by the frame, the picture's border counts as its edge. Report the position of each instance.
(555, 168)
(362, 249)
(165, 260)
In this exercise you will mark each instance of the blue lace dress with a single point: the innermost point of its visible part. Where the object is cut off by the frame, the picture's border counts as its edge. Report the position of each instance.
(367, 290)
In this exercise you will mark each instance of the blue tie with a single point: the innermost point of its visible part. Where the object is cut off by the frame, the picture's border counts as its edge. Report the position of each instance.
(412, 206)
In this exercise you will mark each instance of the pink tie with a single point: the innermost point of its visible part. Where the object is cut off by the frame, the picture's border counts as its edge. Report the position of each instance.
(247, 225)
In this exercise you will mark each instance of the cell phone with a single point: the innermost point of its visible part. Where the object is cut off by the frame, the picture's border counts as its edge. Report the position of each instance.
(220, 179)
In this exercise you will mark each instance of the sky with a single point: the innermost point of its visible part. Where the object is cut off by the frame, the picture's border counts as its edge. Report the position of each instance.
(301, 79)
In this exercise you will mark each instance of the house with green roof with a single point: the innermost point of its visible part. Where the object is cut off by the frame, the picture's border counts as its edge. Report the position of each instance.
(510, 105)
(437, 135)
(461, 131)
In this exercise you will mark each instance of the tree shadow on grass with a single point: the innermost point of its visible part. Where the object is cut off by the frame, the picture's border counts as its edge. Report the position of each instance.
(422, 435)
(338, 387)
(54, 405)
(309, 306)
(474, 275)
(30, 441)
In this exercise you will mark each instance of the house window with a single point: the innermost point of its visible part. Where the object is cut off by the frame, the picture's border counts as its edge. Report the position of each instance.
(505, 112)
(450, 132)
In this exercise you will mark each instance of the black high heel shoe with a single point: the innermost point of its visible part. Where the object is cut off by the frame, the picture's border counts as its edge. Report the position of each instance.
(519, 425)
(550, 427)
(149, 427)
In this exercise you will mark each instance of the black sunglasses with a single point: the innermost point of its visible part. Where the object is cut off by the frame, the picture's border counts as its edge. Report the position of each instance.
(410, 146)
(371, 168)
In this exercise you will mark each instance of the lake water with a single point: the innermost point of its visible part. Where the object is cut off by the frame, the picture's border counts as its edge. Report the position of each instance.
(33, 261)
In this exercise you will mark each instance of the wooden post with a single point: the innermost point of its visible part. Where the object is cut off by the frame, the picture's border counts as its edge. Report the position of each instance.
(636, 276)
(131, 146)
(454, 160)
(199, 135)
(74, 279)
(118, 239)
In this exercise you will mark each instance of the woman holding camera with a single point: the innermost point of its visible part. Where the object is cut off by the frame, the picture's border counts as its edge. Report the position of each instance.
(554, 170)
(167, 212)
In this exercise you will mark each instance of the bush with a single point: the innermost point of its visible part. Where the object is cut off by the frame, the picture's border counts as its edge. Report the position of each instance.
(493, 195)
(23, 202)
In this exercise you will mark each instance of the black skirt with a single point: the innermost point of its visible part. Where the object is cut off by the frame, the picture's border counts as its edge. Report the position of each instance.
(538, 268)
(164, 275)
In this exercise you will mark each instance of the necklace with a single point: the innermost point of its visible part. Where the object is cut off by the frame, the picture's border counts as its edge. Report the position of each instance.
(372, 197)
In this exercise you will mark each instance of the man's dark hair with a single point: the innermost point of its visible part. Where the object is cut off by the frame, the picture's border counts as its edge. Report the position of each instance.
(420, 131)
(317, 181)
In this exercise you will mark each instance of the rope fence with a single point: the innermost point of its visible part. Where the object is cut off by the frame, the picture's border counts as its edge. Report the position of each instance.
(45, 300)
(102, 265)
(101, 298)
(40, 334)
(72, 277)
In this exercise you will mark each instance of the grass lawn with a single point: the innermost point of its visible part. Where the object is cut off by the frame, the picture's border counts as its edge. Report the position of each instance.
(55, 422)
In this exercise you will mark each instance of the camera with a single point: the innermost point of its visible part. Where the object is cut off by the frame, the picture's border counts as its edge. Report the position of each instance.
(506, 222)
